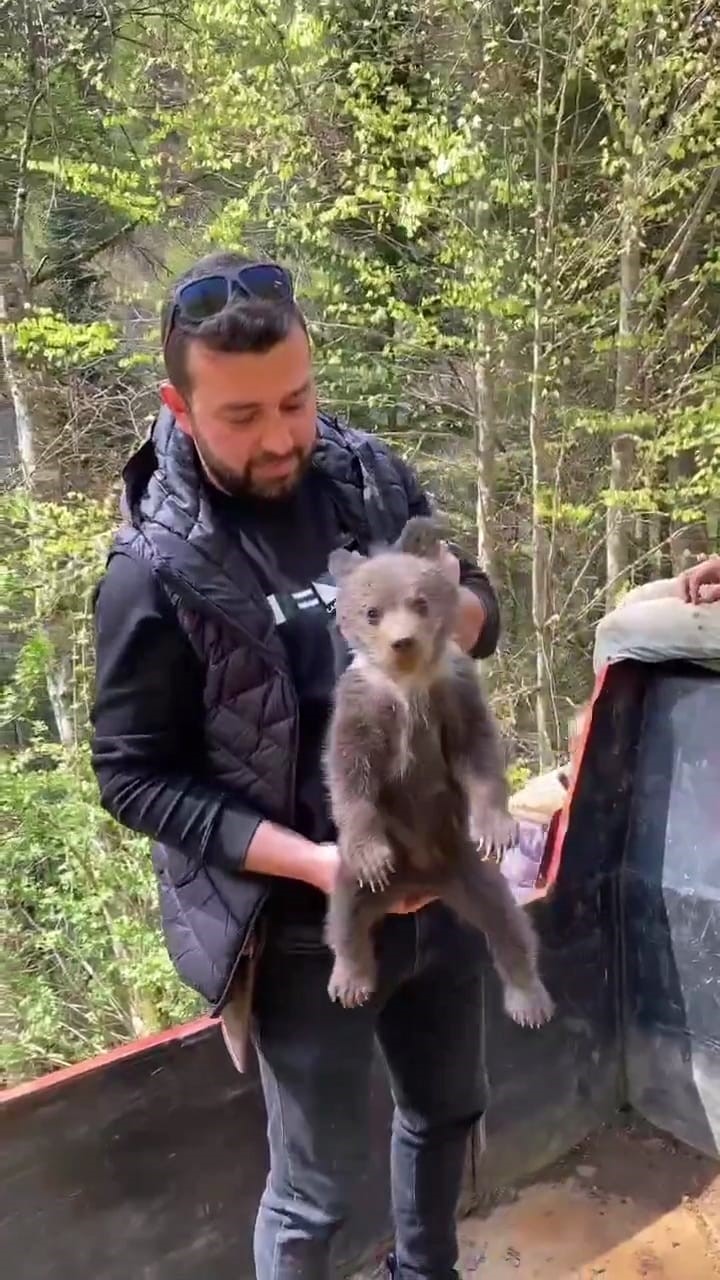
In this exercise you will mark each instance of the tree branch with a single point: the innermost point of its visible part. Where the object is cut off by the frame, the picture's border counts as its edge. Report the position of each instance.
(21, 193)
(684, 235)
(44, 273)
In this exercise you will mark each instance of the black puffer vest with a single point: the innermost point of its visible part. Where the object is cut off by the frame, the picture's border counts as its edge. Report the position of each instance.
(251, 715)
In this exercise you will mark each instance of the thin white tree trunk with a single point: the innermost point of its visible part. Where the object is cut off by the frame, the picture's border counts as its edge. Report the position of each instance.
(541, 547)
(21, 407)
(656, 545)
(619, 525)
(689, 539)
(14, 297)
(485, 441)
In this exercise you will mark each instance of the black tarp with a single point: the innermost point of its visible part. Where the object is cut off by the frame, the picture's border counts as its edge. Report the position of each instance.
(671, 911)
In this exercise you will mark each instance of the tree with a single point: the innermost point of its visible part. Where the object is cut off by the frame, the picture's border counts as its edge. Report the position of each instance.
(626, 378)
(541, 563)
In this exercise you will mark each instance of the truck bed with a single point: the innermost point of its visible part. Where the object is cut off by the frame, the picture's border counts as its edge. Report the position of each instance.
(149, 1162)
(628, 1204)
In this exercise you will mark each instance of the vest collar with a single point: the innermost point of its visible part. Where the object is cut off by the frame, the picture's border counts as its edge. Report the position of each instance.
(166, 501)
(339, 454)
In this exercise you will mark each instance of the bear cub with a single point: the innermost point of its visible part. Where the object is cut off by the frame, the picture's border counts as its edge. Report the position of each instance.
(415, 772)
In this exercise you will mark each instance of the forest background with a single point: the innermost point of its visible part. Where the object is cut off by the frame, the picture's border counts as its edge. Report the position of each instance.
(503, 219)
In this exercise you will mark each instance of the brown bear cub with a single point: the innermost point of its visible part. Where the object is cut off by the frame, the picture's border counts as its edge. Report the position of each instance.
(415, 772)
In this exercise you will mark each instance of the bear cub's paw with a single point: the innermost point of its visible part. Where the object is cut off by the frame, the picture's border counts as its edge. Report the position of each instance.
(493, 829)
(350, 987)
(529, 1007)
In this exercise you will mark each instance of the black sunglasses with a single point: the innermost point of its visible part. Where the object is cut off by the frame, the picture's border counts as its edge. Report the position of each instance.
(209, 295)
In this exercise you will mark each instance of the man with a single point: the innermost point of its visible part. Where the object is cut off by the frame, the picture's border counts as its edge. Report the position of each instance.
(216, 658)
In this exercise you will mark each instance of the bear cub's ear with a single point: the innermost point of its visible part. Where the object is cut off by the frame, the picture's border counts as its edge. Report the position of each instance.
(342, 562)
(422, 536)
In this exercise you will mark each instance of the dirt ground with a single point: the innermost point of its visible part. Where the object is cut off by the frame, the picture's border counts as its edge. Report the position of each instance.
(629, 1204)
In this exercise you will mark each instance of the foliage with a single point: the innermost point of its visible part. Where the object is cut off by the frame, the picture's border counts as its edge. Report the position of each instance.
(84, 963)
(55, 555)
(47, 340)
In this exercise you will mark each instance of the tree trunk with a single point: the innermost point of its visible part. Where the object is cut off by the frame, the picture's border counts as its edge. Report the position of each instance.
(619, 525)
(688, 539)
(14, 299)
(541, 479)
(656, 549)
(13, 381)
(483, 371)
(485, 447)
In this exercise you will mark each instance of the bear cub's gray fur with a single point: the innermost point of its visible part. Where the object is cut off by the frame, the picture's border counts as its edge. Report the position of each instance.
(415, 772)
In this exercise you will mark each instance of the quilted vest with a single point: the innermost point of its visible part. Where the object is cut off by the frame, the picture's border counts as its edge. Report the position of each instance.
(251, 715)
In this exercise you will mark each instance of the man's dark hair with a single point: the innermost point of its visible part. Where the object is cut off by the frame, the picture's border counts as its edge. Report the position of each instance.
(253, 325)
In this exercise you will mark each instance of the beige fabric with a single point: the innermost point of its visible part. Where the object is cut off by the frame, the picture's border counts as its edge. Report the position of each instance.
(654, 624)
(236, 1017)
(662, 589)
(539, 799)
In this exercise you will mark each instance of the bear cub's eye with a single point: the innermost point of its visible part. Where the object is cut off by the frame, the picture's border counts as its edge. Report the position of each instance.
(373, 615)
(420, 605)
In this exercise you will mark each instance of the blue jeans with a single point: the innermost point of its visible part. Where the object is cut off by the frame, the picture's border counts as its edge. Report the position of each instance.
(315, 1059)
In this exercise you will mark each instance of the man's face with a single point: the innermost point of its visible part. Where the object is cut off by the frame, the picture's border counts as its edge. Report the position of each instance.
(252, 417)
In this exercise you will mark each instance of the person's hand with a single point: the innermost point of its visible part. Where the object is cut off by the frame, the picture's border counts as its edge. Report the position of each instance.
(701, 584)
(322, 869)
(471, 611)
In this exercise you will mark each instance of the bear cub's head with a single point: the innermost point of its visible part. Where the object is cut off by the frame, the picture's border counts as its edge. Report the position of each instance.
(398, 608)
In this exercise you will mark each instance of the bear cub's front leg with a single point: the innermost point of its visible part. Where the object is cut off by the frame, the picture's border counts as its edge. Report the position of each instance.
(352, 912)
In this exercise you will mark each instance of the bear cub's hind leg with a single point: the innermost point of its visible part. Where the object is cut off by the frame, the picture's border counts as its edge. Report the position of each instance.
(482, 896)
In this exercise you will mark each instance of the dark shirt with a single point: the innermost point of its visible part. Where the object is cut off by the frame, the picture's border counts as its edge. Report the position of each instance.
(149, 711)
(295, 537)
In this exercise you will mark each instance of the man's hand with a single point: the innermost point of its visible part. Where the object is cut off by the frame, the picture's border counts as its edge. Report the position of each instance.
(323, 869)
(701, 584)
(471, 613)
(275, 851)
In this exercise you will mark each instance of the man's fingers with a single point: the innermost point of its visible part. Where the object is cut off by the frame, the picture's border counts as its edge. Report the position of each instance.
(695, 587)
(700, 583)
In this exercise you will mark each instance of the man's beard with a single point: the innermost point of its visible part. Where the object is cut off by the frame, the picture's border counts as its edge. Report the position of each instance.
(250, 483)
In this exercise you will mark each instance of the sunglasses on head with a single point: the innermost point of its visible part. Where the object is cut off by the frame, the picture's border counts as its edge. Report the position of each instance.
(209, 295)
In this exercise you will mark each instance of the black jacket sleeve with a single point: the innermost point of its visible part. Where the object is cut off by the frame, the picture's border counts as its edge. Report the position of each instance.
(149, 725)
(471, 575)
